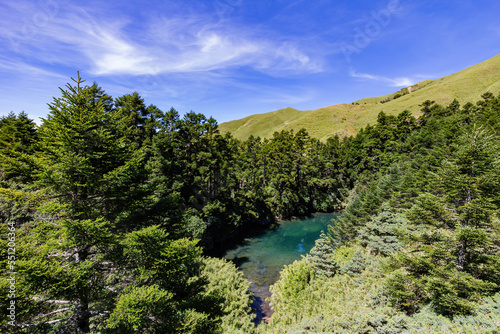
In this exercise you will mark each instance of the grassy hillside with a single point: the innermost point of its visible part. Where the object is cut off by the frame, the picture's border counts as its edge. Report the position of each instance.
(262, 125)
(346, 119)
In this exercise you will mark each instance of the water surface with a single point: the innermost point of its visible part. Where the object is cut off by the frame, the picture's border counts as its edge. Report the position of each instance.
(261, 258)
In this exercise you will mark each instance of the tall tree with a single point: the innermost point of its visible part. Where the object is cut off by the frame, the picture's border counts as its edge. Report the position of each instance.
(83, 165)
(136, 123)
(471, 181)
(321, 257)
(18, 138)
(454, 256)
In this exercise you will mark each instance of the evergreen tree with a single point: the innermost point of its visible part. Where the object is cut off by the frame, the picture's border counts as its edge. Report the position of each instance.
(380, 235)
(136, 123)
(321, 257)
(65, 266)
(18, 139)
(78, 149)
(455, 258)
(83, 165)
(83, 159)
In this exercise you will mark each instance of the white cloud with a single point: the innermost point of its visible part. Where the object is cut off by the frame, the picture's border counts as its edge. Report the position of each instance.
(107, 46)
(171, 59)
(16, 66)
(285, 97)
(394, 82)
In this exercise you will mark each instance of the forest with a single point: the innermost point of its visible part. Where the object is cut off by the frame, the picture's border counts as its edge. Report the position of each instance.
(112, 211)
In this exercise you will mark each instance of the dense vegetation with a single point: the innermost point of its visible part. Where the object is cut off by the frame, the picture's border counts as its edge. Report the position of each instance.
(115, 206)
(418, 247)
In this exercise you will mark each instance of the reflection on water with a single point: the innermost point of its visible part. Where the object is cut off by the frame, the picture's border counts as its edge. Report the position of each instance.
(261, 258)
(260, 305)
(301, 246)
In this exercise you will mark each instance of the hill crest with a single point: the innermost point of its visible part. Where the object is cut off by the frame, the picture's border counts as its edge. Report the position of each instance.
(346, 119)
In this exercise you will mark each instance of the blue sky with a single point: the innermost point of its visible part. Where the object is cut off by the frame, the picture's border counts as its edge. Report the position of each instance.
(232, 58)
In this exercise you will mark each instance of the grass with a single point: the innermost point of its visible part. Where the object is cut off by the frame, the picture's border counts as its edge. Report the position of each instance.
(346, 119)
(262, 125)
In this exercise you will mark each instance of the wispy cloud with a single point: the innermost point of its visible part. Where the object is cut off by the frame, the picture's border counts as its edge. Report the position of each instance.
(394, 82)
(227, 56)
(286, 97)
(16, 66)
(168, 45)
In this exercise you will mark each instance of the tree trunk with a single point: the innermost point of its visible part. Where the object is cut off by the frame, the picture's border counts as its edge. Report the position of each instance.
(82, 316)
(462, 253)
(462, 245)
(82, 313)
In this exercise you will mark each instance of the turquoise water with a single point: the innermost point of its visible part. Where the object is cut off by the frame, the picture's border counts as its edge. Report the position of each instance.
(261, 258)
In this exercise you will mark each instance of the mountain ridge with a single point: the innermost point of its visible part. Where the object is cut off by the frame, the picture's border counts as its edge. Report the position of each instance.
(345, 119)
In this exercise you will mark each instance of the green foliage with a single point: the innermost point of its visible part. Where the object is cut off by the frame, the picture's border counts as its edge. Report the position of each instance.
(341, 304)
(136, 123)
(17, 201)
(356, 264)
(453, 278)
(483, 320)
(380, 235)
(291, 288)
(169, 263)
(363, 205)
(195, 226)
(344, 253)
(81, 158)
(147, 309)
(63, 268)
(205, 295)
(321, 258)
(113, 203)
(429, 210)
(18, 141)
(228, 283)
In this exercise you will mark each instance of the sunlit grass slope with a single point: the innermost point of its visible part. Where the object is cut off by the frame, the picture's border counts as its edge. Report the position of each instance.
(262, 125)
(345, 119)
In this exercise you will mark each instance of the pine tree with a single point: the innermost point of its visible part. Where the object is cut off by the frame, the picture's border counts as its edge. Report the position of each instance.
(471, 181)
(454, 255)
(81, 164)
(136, 123)
(18, 139)
(78, 149)
(380, 235)
(321, 257)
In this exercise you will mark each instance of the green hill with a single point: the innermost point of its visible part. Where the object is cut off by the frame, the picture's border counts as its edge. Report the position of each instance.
(262, 125)
(345, 119)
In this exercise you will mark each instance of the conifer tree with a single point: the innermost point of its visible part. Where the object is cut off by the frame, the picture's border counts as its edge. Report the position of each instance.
(321, 257)
(136, 123)
(80, 164)
(18, 138)
(380, 235)
(78, 149)
(471, 181)
(455, 258)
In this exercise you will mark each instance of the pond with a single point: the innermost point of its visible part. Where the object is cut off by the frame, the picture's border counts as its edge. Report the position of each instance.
(261, 258)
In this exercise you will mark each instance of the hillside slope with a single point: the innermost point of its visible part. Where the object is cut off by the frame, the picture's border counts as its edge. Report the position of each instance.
(345, 119)
(262, 125)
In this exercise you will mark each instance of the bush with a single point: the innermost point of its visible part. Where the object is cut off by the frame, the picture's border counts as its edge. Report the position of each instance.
(228, 284)
(380, 234)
